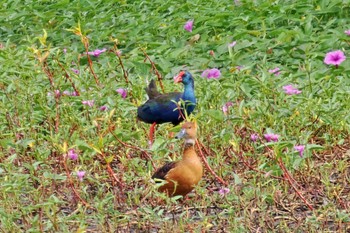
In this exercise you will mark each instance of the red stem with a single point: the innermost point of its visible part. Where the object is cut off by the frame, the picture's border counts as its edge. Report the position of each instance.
(154, 69)
(208, 167)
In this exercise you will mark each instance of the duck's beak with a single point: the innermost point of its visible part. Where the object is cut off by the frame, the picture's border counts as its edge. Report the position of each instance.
(178, 78)
(181, 134)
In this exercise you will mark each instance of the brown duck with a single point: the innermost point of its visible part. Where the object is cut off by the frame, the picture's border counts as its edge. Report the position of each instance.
(183, 175)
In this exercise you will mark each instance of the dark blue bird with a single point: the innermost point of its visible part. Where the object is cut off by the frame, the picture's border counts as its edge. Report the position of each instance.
(163, 108)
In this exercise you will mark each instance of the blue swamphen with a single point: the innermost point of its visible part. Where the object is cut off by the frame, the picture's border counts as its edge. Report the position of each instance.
(163, 108)
(183, 175)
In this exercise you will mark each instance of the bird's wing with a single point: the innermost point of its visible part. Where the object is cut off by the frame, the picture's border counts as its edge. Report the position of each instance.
(163, 171)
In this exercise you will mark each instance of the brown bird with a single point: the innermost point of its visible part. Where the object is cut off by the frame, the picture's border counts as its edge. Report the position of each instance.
(183, 175)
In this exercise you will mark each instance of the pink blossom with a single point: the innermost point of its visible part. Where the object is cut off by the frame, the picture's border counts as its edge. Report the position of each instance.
(72, 154)
(57, 93)
(81, 175)
(189, 25)
(254, 137)
(226, 106)
(334, 58)
(223, 191)
(211, 73)
(122, 92)
(290, 90)
(119, 52)
(300, 149)
(64, 50)
(232, 44)
(73, 93)
(275, 71)
(89, 103)
(347, 32)
(271, 137)
(75, 70)
(104, 108)
(97, 52)
(239, 68)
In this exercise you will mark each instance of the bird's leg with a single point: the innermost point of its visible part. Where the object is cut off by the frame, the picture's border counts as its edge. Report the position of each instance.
(151, 133)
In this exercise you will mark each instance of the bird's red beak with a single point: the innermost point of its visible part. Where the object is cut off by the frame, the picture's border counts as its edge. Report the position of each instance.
(178, 78)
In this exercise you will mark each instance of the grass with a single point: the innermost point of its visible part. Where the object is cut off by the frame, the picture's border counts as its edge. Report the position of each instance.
(272, 188)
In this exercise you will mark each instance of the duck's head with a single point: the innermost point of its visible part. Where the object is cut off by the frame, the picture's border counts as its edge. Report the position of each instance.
(185, 77)
(188, 132)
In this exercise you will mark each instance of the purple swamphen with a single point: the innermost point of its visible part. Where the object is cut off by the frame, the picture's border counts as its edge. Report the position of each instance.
(163, 108)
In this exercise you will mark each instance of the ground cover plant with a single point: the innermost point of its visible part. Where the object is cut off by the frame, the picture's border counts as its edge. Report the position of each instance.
(272, 84)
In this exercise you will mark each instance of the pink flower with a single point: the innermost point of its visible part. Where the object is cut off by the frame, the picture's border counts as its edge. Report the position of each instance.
(300, 149)
(334, 58)
(104, 108)
(347, 32)
(64, 50)
(239, 68)
(119, 52)
(57, 93)
(189, 25)
(72, 154)
(81, 175)
(75, 71)
(290, 90)
(254, 137)
(275, 71)
(122, 92)
(224, 191)
(70, 93)
(89, 103)
(271, 137)
(211, 73)
(97, 52)
(226, 106)
(232, 44)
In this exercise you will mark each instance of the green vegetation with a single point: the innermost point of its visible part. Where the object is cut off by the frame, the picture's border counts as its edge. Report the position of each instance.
(272, 188)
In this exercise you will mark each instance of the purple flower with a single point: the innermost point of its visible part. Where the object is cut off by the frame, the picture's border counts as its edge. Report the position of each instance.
(224, 191)
(275, 71)
(226, 106)
(290, 90)
(97, 52)
(300, 149)
(254, 137)
(211, 73)
(122, 92)
(89, 103)
(271, 137)
(72, 154)
(334, 58)
(75, 71)
(64, 50)
(232, 44)
(347, 32)
(189, 25)
(81, 175)
(104, 108)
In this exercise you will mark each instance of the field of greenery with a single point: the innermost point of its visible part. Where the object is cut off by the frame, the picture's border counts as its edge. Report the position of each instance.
(272, 83)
